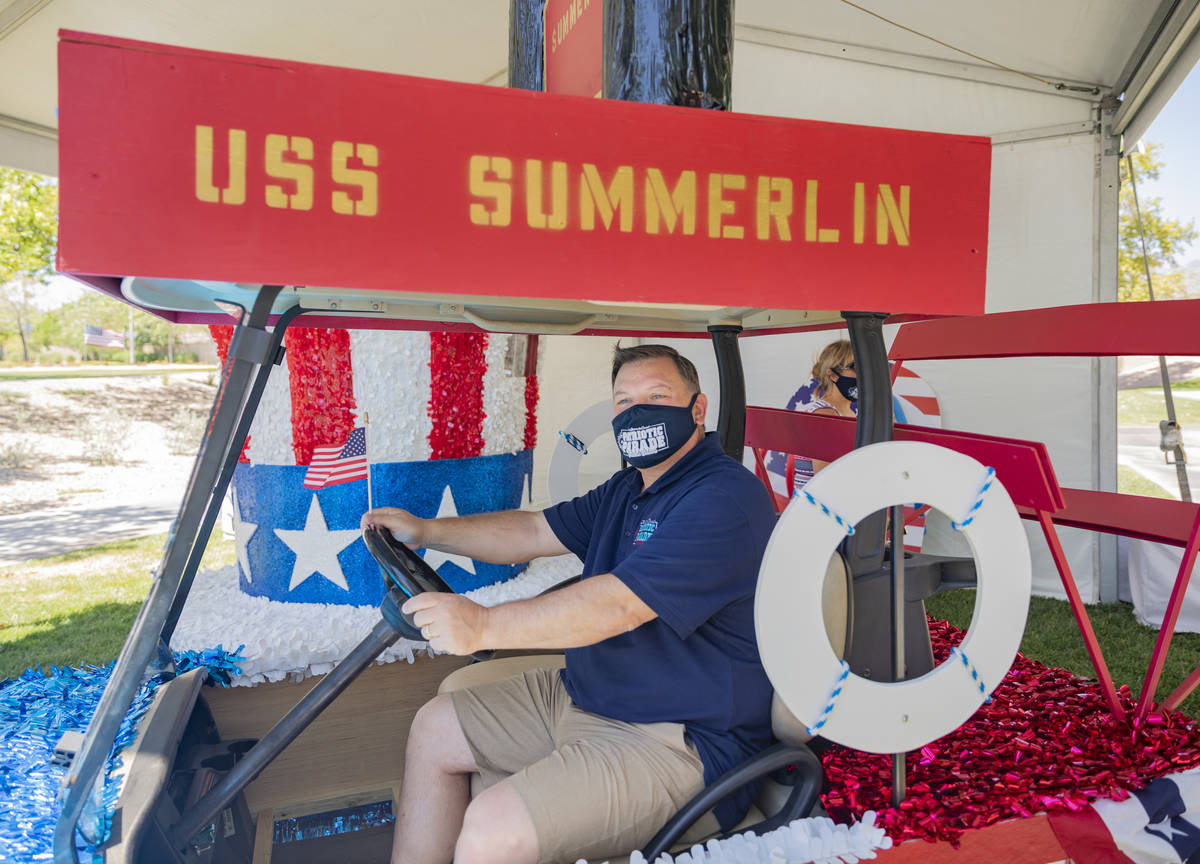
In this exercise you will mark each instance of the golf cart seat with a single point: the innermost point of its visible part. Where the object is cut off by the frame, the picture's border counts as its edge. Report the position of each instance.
(793, 775)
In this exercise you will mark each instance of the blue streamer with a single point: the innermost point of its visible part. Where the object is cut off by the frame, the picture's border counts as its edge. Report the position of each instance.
(837, 691)
(974, 672)
(35, 710)
(849, 529)
(970, 517)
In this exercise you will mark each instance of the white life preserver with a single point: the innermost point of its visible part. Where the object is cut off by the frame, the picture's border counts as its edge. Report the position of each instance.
(562, 477)
(875, 716)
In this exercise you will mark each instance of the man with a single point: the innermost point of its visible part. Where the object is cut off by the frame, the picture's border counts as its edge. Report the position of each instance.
(663, 688)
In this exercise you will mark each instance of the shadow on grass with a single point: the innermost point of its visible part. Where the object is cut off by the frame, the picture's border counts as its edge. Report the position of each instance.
(93, 635)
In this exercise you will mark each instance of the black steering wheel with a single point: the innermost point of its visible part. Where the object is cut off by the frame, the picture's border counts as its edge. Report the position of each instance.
(404, 571)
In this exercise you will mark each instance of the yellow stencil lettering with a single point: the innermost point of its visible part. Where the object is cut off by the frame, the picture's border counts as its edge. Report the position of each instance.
(535, 215)
(860, 211)
(302, 175)
(368, 201)
(888, 215)
(594, 197)
(813, 234)
(773, 201)
(669, 206)
(498, 190)
(718, 206)
(235, 192)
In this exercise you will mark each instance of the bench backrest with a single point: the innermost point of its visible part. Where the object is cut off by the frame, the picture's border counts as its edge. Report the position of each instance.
(1022, 466)
(1090, 330)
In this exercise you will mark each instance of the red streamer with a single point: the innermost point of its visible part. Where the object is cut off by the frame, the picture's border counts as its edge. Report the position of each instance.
(222, 334)
(1046, 742)
(322, 386)
(457, 363)
(531, 400)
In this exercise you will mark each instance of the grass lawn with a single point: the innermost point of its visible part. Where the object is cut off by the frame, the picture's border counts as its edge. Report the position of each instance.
(78, 607)
(1131, 482)
(1145, 406)
(26, 374)
(1051, 637)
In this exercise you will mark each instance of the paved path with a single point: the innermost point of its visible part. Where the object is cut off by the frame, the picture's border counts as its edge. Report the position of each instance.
(40, 533)
(1137, 448)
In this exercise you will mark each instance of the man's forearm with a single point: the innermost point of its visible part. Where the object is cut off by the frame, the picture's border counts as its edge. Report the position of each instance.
(506, 537)
(583, 614)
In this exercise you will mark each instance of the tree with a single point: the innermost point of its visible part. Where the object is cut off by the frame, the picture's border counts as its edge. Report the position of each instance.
(1165, 238)
(28, 236)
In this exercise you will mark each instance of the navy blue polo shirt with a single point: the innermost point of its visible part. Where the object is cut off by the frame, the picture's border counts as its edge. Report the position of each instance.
(689, 547)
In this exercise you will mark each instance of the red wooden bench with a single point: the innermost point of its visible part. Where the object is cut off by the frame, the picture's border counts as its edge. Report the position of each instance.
(1094, 330)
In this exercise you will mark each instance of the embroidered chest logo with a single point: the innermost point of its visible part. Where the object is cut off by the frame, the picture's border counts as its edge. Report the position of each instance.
(643, 440)
(645, 531)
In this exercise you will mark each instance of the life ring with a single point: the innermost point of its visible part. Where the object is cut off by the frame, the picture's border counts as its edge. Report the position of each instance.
(562, 477)
(813, 682)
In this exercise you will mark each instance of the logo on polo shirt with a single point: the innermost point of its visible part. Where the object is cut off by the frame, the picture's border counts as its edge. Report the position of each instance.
(643, 440)
(645, 531)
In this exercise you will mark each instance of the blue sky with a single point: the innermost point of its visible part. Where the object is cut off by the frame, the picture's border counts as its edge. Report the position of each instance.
(1177, 129)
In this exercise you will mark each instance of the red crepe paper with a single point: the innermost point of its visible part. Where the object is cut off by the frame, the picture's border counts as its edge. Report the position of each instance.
(531, 400)
(456, 363)
(322, 386)
(222, 334)
(1046, 742)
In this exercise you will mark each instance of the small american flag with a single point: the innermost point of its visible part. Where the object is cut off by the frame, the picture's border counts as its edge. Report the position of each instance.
(333, 465)
(102, 337)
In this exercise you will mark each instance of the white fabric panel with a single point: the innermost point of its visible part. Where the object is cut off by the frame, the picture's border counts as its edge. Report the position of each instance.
(1152, 571)
(271, 429)
(784, 83)
(503, 400)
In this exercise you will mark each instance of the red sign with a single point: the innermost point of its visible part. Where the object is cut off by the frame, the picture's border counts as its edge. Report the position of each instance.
(184, 164)
(574, 33)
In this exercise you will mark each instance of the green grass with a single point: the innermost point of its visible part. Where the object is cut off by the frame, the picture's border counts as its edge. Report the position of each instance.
(78, 607)
(1131, 482)
(93, 372)
(1145, 407)
(1052, 638)
(1190, 384)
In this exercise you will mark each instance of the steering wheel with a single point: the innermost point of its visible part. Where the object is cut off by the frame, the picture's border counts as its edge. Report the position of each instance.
(410, 574)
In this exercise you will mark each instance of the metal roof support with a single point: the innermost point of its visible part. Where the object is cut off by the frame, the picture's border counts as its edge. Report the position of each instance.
(1104, 369)
(1167, 61)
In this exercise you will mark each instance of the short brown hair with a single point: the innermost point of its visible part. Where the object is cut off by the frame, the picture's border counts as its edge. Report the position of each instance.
(834, 356)
(636, 353)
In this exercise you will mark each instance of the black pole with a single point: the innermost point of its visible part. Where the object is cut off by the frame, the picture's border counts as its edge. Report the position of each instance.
(731, 420)
(283, 733)
(526, 29)
(864, 549)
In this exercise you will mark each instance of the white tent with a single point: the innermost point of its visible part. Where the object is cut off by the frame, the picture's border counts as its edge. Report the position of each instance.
(1060, 87)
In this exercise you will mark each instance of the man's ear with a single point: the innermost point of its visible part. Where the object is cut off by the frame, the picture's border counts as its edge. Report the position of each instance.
(700, 409)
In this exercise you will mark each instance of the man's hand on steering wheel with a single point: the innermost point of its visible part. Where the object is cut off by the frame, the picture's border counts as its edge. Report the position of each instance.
(449, 622)
(405, 527)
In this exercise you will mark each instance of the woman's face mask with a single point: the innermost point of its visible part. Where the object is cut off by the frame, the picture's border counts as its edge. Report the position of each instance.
(649, 434)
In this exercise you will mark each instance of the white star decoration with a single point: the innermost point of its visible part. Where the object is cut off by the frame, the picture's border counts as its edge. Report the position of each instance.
(317, 548)
(436, 559)
(242, 532)
(1166, 828)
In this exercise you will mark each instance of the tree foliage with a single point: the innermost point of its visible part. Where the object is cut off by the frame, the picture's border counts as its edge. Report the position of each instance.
(1165, 238)
(28, 236)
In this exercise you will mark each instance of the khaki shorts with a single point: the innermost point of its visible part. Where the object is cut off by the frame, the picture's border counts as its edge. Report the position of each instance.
(595, 787)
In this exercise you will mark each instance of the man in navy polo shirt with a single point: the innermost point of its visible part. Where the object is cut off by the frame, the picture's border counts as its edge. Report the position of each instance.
(663, 689)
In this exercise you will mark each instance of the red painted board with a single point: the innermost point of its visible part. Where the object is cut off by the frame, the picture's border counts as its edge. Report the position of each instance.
(1017, 841)
(1089, 330)
(390, 183)
(573, 39)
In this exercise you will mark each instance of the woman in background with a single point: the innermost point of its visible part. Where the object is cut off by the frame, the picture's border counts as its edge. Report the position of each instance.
(836, 393)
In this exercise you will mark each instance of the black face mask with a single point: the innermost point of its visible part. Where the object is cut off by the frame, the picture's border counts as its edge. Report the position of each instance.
(847, 386)
(650, 434)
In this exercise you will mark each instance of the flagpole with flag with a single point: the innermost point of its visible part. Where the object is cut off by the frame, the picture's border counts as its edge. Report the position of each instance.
(367, 453)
